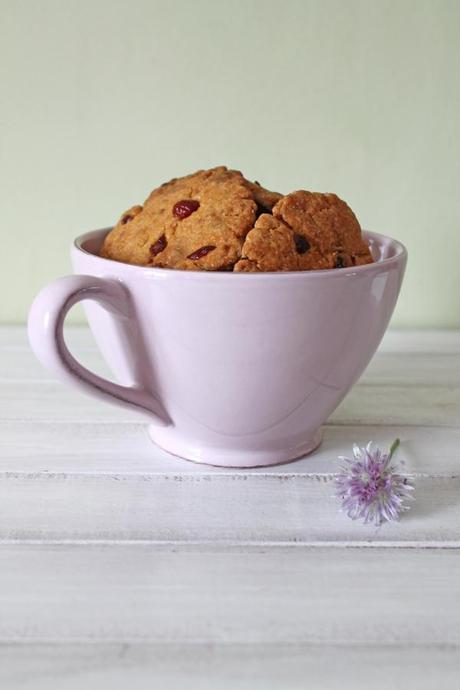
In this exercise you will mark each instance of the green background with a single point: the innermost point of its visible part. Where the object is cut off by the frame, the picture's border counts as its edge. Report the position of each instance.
(102, 100)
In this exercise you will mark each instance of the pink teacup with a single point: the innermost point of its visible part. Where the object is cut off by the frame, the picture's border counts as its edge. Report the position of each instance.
(231, 369)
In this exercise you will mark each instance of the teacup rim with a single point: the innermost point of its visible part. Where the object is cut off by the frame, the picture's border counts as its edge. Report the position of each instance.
(399, 255)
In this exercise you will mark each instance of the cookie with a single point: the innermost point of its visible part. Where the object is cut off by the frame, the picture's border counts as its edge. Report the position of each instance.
(216, 220)
(274, 246)
(197, 222)
(307, 231)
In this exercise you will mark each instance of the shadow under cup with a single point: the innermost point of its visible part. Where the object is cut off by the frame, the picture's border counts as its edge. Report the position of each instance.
(232, 369)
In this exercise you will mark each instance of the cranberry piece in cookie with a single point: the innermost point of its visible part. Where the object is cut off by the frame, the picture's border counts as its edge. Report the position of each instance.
(130, 214)
(158, 246)
(185, 208)
(202, 251)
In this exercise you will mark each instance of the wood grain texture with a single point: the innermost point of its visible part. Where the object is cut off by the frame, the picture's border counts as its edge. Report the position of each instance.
(111, 448)
(228, 595)
(365, 404)
(416, 341)
(387, 368)
(220, 508)
(227, 667)
(400, 386)
(122, 565)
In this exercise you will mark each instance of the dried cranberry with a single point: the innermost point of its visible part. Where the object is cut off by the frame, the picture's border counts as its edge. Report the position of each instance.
(202, 251)
(340, 262)
(126, 219)
(302, 245)
(159, 245)
(185, 208)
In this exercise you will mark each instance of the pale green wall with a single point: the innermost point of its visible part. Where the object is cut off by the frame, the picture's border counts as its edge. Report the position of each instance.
(103, 99)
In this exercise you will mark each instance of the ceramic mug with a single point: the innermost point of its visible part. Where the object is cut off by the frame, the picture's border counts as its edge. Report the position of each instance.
(231, 369)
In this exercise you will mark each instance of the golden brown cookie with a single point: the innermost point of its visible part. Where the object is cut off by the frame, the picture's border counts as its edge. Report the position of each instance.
(196, 222)
(216, 220)
(274, 246)
(308, 231)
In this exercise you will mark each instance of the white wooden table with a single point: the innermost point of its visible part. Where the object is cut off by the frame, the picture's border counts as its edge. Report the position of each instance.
(121, 566)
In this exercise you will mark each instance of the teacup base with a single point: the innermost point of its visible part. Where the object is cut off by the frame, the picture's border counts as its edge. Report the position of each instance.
(221, 457)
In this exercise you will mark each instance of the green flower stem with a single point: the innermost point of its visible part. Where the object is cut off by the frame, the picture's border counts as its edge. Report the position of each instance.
(394, 447)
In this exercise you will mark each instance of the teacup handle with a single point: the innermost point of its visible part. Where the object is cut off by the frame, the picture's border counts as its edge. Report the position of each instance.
(46, 324)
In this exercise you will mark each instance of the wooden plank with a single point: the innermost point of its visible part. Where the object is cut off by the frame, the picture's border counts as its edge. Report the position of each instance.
(388, 367)
(394, 369)
(225, 667)
(54, 401)
(409, 369)
(421, 341)
(233, 596)
(367, 608)
(366, 404)
(18, 366)
(27, 387)
(110, 448)
(395, 340)
(212, 508)
(389, 405)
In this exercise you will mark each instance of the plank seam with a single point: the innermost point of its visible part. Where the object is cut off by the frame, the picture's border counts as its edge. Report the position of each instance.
(121, 422)
(196, 476)
(211, 544)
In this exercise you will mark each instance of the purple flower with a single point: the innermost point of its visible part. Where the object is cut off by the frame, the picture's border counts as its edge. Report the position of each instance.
(370, 487)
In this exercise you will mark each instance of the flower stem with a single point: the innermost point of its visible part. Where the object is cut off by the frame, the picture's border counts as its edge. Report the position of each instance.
(394, 447)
